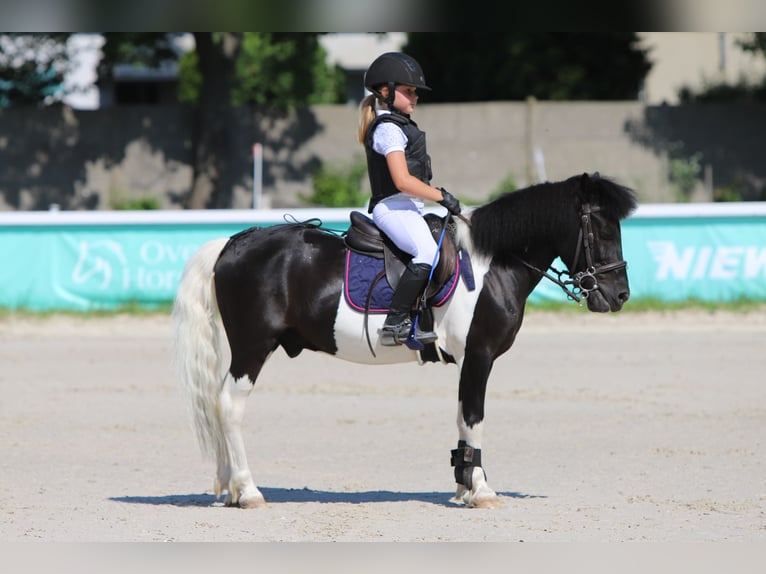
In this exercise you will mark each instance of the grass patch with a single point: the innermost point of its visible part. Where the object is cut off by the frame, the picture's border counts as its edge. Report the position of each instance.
(133, 309)
(694, 304)
(648, 304)
(632, 306)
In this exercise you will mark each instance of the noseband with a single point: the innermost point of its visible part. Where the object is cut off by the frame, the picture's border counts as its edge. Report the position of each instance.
(582, 283)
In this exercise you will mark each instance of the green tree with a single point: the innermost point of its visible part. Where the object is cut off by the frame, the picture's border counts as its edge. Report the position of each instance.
(215, 122)
(280, 71)
(143, 49)
(228, 70)
(215, 59)
(485, 66)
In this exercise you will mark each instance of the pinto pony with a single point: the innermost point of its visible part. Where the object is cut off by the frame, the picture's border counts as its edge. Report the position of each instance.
(239, 299)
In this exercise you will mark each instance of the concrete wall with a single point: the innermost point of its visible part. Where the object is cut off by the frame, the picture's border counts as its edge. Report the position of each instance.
(90, 159)
(475, 146)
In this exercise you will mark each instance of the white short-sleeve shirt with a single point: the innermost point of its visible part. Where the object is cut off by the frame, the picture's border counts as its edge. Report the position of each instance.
(388, 137)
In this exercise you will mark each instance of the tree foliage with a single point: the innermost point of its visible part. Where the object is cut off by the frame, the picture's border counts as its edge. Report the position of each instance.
(231, 69)
(280, 71)
(143, 49)
(284, 70)
(482, 66)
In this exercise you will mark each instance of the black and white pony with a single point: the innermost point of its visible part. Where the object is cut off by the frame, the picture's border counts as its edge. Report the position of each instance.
(239, 299)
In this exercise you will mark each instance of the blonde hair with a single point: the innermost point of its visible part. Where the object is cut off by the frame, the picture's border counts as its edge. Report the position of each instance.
(366, 115)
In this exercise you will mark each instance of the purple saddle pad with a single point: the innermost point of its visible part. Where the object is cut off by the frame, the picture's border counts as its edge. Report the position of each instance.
(361, 271)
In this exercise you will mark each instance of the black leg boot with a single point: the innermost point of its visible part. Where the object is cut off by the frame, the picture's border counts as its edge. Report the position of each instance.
(398, 323)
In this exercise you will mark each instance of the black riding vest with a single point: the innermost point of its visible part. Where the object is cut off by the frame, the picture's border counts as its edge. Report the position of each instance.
(418, 160)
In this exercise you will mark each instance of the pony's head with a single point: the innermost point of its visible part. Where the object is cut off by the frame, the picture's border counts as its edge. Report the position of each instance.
(596, 264)
(577, 220)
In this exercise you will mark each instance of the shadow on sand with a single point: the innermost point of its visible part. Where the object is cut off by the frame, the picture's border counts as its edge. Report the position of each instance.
(281, 495)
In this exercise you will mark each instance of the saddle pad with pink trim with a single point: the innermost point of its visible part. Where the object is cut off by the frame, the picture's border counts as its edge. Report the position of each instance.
(361, 272)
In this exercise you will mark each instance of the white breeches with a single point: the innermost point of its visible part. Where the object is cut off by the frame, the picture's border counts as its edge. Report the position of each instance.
(402, 220)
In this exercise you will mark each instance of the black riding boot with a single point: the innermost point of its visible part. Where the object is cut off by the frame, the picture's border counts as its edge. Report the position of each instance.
(398, 324)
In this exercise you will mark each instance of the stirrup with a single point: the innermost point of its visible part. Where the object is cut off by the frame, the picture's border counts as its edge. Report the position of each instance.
(394, 335)
(425, 337)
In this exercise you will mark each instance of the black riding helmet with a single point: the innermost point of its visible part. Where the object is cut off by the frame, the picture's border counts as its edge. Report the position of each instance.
(390, 69)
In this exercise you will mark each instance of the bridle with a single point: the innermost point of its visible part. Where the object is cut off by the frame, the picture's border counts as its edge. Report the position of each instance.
(582, 283)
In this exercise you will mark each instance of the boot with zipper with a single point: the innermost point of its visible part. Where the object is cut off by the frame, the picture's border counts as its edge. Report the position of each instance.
(398, 323)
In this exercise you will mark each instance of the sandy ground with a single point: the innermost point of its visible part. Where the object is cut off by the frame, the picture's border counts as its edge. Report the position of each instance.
(635, 426)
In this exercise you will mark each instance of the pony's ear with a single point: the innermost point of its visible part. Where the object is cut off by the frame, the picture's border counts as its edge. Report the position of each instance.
(589, 187)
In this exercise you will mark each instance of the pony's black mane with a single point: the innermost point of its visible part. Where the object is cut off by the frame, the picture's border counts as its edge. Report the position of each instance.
(517, 219)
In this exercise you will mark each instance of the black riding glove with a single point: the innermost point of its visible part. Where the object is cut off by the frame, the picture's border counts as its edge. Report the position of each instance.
(449, 201)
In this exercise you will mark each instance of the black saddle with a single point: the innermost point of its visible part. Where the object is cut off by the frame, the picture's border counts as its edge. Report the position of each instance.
(364, 237)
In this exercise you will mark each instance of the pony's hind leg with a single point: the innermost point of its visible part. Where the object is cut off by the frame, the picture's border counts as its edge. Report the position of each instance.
(233, 471)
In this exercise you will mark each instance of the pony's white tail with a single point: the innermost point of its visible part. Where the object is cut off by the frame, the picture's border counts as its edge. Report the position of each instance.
(199, 345)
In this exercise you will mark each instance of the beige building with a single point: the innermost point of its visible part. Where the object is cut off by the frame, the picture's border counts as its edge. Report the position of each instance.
(696, 60)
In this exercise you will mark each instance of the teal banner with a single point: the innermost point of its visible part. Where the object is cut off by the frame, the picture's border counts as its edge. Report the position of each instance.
(705, 259)
(89, 261)
(97, 267)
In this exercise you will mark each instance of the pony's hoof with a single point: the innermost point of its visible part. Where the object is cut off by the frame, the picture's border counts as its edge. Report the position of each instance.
(487, 502)
(252, 502)
(481, 497)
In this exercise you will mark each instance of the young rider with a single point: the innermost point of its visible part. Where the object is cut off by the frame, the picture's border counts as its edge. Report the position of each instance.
(399, 168)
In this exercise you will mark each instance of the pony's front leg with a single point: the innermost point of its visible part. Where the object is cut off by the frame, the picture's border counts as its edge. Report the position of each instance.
(472, 487)
(233, 470)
